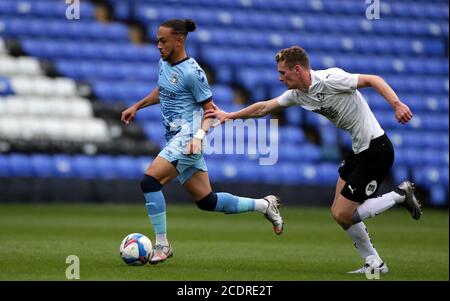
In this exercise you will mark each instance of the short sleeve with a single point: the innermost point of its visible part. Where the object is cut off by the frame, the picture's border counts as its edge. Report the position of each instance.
(287, 99)
(198, 85)
(337, 80)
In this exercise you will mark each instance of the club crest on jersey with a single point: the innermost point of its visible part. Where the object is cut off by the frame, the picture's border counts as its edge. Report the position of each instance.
(371, 187)
(320, 96)
(174, 78)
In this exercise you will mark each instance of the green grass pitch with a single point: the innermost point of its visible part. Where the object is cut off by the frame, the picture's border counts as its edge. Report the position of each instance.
(36, 239)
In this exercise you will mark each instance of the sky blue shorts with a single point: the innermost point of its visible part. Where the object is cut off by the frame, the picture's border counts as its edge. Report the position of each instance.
(186, 165)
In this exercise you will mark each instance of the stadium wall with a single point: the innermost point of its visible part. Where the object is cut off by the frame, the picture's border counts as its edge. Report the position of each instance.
(40, 190)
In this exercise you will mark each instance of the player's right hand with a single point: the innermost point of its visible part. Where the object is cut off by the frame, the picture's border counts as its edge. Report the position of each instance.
(402, 113)
(128, 115)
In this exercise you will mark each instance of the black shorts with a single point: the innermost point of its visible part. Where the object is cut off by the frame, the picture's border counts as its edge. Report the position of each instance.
(364, 172)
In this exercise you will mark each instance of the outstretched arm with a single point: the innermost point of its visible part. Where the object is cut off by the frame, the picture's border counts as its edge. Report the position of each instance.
(151, 99)
(402, 112)
(195, 145)
(258, 109)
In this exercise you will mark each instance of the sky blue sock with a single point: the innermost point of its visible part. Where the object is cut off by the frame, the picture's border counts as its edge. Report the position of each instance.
(229, 203)
(156, 209)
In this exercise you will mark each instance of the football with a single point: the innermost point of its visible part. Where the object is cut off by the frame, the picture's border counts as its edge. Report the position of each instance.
(136, 249)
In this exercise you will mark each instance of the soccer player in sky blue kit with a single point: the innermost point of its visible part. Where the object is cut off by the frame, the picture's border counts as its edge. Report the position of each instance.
(183, 93)
(333, 93)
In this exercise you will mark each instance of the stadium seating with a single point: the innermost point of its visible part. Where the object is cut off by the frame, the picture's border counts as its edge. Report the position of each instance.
(72, 118)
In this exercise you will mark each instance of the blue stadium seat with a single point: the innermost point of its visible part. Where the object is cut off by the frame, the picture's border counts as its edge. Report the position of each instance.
(435, 122)
(400, 173)
(329, 135)
(230, 171)
(222, 93)
(84, 166)
(19, 165)
(430, 175)
(435, 140)
(439, 194)
(276, 91)
(42, 166)
(154, 131)
(345, 139)
(289, 152)
(300, 153)
(291, 135)
(414, 157)
(271, 174)
(5, 86)
(48, 9)
(111, 91)
(128, 167)
(294, 116)
(4, 164)
(249, 171)
(316, 120)
(308, 174)
(327, 173)
(144, 162)
(64, 166)
(106, 167)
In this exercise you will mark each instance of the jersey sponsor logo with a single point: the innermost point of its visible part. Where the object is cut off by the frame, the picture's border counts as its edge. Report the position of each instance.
(329, 113)
(167, 93)
(371, 187)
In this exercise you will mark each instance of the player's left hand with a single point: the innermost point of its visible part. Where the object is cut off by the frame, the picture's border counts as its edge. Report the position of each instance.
(402, 113)
(194, 146)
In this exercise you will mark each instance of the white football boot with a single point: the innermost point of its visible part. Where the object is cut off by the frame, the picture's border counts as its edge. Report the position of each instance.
(273, 214)
(160, 254)
(373, 265)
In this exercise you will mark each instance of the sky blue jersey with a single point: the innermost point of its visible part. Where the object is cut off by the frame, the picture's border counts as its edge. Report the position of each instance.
(183, 88)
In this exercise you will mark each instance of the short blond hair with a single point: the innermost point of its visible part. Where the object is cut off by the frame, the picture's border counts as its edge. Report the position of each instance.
(294, 55)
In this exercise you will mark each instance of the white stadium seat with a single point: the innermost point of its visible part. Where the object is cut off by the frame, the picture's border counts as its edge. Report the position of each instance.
(52, 129)
(65, 87)
(44, 108)
(96, 130)
(39, 85)
(74, 129)
(19, 66)
(22, 85)
(15, 107)
(2, 47)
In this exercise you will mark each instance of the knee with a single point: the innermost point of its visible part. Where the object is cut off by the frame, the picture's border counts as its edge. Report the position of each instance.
(208, 203)
(150, 184)
(342, 217)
